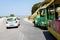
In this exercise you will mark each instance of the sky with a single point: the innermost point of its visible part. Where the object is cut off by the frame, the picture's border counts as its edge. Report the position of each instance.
(17, 7)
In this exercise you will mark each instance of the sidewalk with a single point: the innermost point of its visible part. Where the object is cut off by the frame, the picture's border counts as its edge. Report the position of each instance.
(26, 19)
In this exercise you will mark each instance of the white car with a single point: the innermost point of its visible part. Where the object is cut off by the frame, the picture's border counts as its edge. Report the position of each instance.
(12, 22)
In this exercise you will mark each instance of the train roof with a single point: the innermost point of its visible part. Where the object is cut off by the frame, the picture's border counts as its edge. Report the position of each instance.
(51, 1)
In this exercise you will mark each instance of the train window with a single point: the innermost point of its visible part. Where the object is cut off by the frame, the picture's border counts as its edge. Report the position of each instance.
(51, 14)
(42, 13)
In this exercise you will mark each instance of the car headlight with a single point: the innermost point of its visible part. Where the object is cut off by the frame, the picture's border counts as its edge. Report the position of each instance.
(42, 22)
(35, 20)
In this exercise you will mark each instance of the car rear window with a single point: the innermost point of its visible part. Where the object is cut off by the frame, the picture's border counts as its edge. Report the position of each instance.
(11, 19)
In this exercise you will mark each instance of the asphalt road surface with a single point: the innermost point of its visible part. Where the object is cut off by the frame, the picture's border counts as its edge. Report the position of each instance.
(26, 31)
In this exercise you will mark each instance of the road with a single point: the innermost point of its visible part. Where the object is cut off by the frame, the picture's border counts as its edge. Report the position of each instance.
(26, 31)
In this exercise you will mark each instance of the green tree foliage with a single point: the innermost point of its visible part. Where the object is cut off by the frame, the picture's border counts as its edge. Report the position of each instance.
(12, 15)
(46, 2)
(35, 7)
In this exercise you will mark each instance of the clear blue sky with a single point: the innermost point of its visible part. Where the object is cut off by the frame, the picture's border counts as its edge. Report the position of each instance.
(17, 7)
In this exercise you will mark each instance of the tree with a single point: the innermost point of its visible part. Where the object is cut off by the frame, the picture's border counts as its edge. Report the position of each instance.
(12, 15)
(35, 7)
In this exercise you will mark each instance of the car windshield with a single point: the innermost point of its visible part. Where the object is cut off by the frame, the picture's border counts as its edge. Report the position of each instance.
(11, 19)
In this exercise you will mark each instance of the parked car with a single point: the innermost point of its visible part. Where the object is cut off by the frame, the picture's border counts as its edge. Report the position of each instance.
(12, 22)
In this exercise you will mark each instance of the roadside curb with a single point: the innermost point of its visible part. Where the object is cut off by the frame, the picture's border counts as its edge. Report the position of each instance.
(26, 19)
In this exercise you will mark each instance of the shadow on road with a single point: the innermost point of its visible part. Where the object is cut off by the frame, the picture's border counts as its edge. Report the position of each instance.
(42, 28)
(49, 36)
(11, 27)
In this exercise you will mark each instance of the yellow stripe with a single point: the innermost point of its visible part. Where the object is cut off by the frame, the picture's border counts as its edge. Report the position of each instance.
(54, 33)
